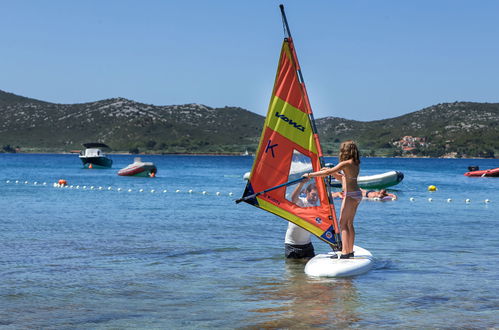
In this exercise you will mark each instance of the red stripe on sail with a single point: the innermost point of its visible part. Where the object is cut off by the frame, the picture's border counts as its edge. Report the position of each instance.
(287, 85)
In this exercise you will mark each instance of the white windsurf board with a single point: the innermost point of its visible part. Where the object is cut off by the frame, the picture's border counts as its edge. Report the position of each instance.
(328, 265)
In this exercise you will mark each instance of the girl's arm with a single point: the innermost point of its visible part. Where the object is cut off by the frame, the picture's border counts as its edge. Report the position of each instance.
(326, 172)
(337, 175)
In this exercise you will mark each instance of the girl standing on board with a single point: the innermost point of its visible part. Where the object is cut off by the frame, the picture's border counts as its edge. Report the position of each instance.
(352, 195)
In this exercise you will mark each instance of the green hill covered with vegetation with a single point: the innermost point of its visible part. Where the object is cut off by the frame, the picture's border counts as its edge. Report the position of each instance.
(460, 129)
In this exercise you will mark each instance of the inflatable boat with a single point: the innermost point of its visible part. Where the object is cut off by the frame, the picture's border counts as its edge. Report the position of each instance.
(377, 181)
(139, 168)
(482, 173)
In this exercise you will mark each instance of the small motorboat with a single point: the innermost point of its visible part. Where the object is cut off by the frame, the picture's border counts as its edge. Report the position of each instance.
(94, 157)
(139, 168)
(476, 172)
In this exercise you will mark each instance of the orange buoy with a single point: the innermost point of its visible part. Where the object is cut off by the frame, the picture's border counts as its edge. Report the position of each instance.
(152, 174)
(90, 166)
(63, 182)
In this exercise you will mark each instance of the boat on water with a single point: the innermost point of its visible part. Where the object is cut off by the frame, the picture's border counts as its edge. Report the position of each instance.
(376, 181)
(94, 156)
(476, 172)
(139, 168)
(289, 147)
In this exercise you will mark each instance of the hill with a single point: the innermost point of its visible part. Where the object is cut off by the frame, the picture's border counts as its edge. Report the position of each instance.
(125, 125)
(459, 129)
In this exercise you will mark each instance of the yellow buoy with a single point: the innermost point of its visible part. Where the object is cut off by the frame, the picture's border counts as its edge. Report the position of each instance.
(432, 188)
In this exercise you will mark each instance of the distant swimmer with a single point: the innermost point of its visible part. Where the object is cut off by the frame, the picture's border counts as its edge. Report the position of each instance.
(370, 194)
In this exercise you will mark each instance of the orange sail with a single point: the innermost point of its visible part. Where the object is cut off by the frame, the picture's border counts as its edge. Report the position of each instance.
(289, 147)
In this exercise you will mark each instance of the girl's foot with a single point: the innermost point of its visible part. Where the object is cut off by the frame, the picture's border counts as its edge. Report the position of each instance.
(346, 255)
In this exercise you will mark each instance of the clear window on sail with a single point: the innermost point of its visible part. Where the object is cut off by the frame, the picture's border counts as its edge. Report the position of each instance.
(304, 195)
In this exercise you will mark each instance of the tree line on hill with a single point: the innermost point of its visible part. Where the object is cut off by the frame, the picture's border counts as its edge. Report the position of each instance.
(459, 129)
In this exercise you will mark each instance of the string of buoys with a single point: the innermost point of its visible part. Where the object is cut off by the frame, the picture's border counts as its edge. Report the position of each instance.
(433, 188)
(449, 200)
(35, 183)
(62, 183)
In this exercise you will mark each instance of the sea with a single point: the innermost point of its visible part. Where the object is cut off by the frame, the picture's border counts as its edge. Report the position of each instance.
(176, 251)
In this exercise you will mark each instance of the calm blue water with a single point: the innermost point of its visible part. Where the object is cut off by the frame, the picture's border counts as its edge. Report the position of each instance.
(99, 258)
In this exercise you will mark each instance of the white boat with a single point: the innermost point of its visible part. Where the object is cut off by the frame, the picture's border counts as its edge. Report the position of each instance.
(94, 157)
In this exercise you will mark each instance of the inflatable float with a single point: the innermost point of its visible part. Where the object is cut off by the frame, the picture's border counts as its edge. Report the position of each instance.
(474, 171)
(377, 181)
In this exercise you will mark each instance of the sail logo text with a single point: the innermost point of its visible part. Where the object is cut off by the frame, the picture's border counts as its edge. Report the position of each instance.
(290, 121)
(272, 199)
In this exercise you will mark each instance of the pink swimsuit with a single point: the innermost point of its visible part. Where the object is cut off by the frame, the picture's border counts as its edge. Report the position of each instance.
(357, 194)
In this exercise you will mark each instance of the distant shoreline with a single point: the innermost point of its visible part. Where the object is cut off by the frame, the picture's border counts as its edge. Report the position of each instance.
(227, 154)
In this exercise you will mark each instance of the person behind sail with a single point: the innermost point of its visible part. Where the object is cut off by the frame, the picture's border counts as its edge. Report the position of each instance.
(297, 243)
(352, 196)
(312, 195)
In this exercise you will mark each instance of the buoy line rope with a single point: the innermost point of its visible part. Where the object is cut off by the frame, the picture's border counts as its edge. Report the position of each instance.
(63, 185)
(448, 200)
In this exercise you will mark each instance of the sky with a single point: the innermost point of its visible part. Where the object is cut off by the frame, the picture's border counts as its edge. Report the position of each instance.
(361, 59)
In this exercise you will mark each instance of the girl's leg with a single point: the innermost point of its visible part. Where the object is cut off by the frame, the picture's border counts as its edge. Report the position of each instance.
(347, 214)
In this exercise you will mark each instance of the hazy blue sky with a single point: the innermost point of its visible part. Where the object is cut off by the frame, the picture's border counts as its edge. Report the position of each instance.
(362, 60)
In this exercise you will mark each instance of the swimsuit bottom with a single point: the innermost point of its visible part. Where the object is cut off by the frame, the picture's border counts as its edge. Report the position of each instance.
(368, 192)
(357, 194)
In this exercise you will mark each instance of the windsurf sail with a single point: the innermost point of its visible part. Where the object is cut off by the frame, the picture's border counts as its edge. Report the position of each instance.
(289, 147)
